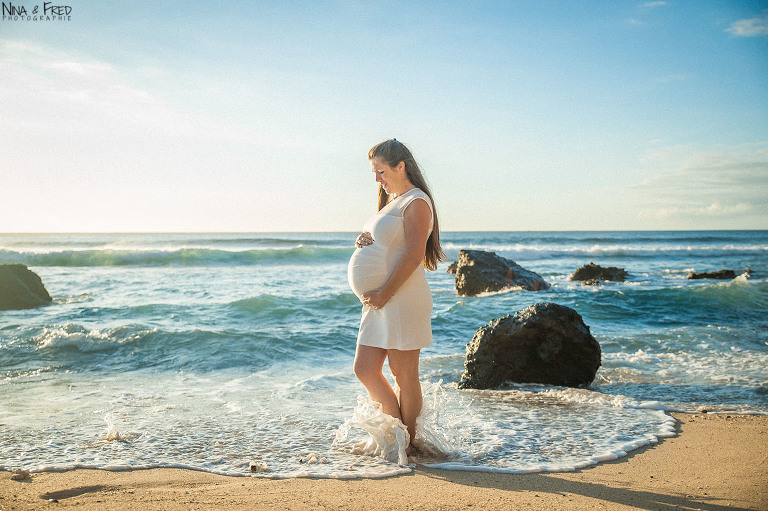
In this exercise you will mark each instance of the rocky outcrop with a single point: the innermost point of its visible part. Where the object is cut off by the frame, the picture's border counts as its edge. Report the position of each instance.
(21, 288)
(478, 272)
(452, 268)
(722, 274)
(544, 343)
(593, 274)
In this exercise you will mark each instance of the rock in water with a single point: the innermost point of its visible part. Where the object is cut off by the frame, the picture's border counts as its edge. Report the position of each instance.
(258, 466)
(722, 274)
(544, 343)
(593, 274)
(478, 272)
(21, 475)
(21, 288)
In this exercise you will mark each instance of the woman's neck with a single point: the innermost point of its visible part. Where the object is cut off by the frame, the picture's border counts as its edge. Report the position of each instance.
(405, 189)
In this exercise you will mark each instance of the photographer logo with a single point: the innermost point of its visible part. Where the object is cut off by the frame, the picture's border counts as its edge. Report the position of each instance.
(50, 11)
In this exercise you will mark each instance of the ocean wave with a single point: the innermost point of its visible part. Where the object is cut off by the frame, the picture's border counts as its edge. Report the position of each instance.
(87, 340)
(179, 257)
(170, 241)
(739, 294)
(72, 347)
(271, 306)
(740, 301)
(260, 241)
(570, 249)
(595, 237)
(75, 347)
(547, 395)
(575, 395)
(736, 291)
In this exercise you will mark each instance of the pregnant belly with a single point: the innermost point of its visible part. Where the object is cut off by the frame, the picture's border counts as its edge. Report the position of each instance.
(367, 269)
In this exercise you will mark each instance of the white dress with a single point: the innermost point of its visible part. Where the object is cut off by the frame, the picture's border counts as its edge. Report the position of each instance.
(405, 321)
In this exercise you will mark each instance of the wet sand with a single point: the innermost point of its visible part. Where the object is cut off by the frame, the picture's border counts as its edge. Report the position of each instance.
(716, 462)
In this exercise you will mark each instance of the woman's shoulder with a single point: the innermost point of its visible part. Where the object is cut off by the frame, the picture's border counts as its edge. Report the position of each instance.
(418, 193)
(412, 195)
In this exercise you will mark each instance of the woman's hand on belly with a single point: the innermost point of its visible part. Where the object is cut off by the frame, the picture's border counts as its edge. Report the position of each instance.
(363, 239)
(376, 298)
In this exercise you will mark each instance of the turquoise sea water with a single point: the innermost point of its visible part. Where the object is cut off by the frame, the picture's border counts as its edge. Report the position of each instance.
(211, 351)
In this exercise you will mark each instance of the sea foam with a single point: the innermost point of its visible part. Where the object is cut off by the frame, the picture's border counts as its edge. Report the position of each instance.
(387, 436)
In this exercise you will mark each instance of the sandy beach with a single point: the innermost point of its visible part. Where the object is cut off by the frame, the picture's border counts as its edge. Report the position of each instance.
(715, 462)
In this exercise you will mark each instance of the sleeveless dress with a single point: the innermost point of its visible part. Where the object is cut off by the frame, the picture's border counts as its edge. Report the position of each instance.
(405, 321)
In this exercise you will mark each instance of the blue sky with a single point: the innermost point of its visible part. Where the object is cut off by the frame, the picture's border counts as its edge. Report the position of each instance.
(257, 116)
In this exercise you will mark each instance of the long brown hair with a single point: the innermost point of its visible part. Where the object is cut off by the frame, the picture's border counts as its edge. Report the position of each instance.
(392, 152)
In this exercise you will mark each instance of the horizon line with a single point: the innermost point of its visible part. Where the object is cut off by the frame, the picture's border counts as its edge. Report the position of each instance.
(13, 233)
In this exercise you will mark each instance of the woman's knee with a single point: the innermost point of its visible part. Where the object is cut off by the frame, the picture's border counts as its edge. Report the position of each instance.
(407, 385)
(406, 380)
(363, 370)
(368, 364)
(404, 367)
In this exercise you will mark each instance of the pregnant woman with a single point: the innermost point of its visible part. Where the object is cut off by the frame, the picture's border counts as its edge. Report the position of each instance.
(386, 272)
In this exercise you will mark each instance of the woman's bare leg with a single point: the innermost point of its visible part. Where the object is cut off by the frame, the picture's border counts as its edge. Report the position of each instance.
(405, 368)
(368, 364)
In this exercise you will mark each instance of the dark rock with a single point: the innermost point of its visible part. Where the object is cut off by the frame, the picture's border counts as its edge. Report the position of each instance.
(592, 282)
(21, 288)
(452, 267)
(258, 466)
(722, 274)
(21, 475)
(478, 272)
(544, 343)
(593, 272)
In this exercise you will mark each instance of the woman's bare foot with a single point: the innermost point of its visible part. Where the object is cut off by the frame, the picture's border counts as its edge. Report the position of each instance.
(412, 450)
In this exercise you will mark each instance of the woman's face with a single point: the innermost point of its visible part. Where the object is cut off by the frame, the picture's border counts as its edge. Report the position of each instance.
(386, 175)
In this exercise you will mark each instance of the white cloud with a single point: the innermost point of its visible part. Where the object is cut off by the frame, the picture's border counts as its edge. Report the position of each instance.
(52, 94)
(87, 146)
(642, 12)
(753, 27)
(716, 209)
(704, 188)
